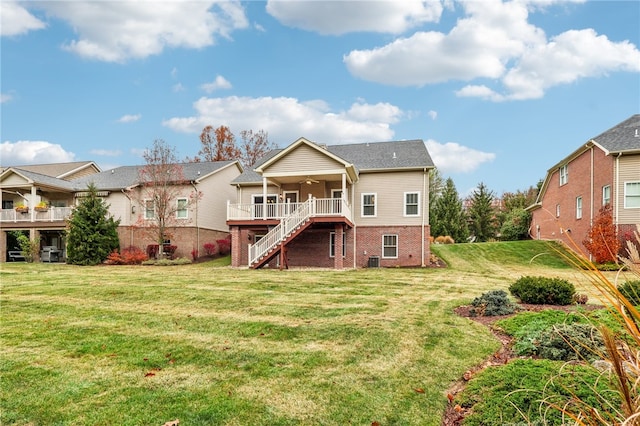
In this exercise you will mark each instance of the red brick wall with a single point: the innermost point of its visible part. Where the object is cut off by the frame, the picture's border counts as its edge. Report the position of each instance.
(186, 239)
(311, 248)
(545, 225)
(369, 243)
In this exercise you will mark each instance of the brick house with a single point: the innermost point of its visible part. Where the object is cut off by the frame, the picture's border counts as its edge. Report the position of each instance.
(604, 170)
(334, 206)
(58, 187)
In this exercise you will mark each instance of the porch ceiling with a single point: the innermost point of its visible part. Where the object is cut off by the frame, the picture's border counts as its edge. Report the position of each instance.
(300, 178)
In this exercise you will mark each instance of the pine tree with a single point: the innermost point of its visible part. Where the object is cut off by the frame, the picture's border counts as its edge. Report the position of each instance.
(447, 215)
(482, 214)
(92, 231)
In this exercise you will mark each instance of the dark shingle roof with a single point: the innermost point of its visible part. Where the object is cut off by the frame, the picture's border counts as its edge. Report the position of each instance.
(623, 137)
(127, 176)
(45, 180)
(368, 156)
(385, 155)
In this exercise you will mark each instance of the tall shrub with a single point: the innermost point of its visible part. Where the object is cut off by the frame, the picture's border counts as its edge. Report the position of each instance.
(602, 239)
(92, 231)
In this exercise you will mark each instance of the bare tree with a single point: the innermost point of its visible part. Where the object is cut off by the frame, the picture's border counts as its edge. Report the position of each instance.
(254, 146)
(220, 144)
(162, 192)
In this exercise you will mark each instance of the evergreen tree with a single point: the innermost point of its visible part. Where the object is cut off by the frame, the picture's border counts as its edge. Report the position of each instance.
(447, 217)
(516, 225)
(92, 231)
(482, 214)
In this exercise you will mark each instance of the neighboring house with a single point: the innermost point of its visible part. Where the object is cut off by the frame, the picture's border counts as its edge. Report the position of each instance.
(23, 188)
(606, 169)
(334, 206)
(202, 222)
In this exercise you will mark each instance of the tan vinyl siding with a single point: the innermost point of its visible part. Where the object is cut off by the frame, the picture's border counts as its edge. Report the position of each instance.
(246, 193)
(212, 207)
(629, 171)
(14, 179)
(120, 208)
(304, 160)
(81, 173)
(390, 189)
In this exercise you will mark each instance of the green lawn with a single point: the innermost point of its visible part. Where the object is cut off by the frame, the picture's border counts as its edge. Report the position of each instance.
(207, 344)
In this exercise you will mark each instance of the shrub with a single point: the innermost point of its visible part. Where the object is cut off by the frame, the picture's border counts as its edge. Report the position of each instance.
(543, 290)
(152, 251)
(224, 246)
(194, 254)
(567, 342)
(631, 291)
(444, 239)
(492, 303)
(209, 249)
(129, 256)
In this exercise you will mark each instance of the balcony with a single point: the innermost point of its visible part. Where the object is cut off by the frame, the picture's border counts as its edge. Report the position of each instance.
(53, 214)
(319, 207)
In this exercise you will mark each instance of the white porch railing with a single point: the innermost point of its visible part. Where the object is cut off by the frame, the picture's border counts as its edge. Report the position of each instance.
(319, 207)
(51, 215)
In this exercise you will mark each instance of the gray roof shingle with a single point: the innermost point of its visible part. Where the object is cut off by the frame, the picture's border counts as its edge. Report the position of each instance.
(623, 137)
(128, 176)
(369, 156)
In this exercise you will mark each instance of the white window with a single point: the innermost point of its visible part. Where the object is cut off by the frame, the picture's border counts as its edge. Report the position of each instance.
(578, 207)
(181, 211)
(412, 204)
(632, 195)
(557, 210)
(389, 246)
(369, 207)
(606, 195)
(564, 174)
(149, 209)
(332, 244)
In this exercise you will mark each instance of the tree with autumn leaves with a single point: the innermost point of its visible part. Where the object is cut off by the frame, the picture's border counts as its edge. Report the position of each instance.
(602, 239)
(219, 144)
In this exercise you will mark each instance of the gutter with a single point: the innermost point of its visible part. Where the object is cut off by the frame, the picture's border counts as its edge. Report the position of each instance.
(197, 210)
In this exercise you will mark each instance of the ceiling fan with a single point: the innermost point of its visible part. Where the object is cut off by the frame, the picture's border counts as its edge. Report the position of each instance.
(308, 181)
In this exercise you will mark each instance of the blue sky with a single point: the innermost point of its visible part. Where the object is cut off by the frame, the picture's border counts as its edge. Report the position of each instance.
(498, 90)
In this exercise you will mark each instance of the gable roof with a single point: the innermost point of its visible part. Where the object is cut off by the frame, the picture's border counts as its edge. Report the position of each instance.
(128, 176)
(364, 157)
(33, 178)
(58, 170)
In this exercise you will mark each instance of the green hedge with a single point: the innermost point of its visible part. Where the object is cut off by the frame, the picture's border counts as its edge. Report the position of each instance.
(543, 290)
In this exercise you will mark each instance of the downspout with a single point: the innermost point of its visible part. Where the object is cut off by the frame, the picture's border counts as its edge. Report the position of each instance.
(425, 212)
(591, 204)
(197, 209)
(615, 189)
(130, 225)
(355, 226)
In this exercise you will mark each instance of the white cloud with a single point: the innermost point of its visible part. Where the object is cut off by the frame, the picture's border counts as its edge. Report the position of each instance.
(451, 157)
(433, 114)
(106, 152)
(219, 83)
(115, 31)
(495, 41)
(286, 119)
(129, 118)
(340, 17)
(33, 152)
(16, 20)
(178, 87)
(5, 97)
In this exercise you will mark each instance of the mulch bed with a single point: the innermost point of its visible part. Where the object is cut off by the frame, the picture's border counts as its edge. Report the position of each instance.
(454, 414)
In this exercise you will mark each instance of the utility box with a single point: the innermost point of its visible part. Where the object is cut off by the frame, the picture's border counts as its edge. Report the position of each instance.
(374, 261)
